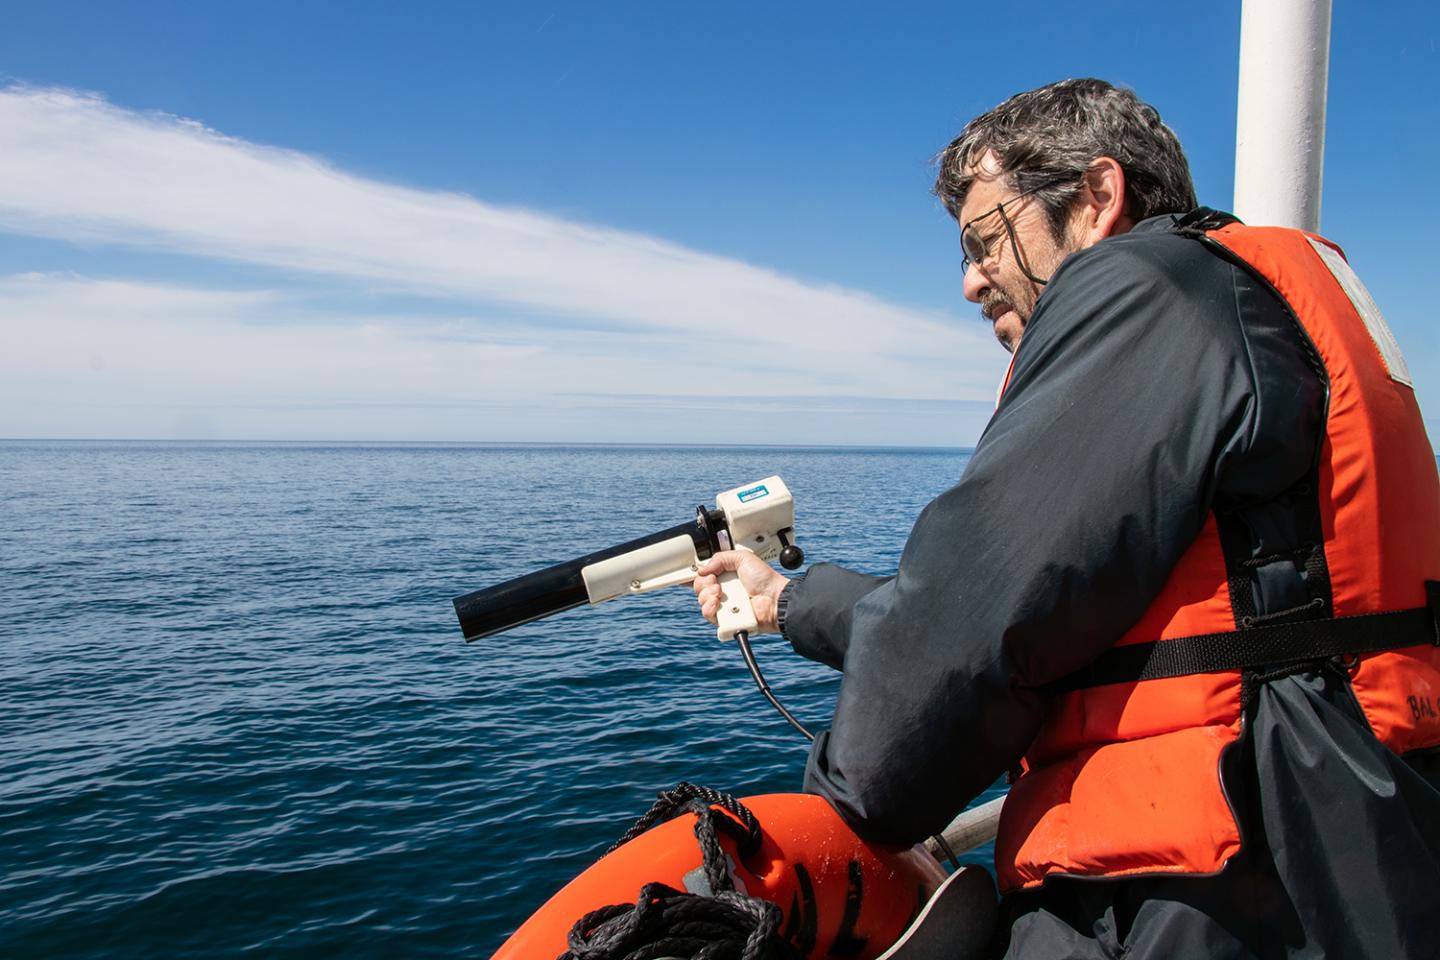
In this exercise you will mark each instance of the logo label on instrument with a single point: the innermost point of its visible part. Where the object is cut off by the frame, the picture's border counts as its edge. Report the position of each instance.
(754, 493)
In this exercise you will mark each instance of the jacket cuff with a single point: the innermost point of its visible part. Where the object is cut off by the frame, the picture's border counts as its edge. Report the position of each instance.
(782, 603)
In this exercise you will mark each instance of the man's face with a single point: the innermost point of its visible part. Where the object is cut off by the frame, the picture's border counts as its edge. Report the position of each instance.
(1006, 296)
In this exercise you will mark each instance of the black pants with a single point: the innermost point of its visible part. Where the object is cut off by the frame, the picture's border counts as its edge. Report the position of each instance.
(1340, 853)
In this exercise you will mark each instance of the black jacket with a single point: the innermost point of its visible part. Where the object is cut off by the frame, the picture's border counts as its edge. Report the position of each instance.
(1155, 381)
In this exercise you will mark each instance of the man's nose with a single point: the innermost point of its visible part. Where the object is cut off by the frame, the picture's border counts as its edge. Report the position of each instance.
(976, 283)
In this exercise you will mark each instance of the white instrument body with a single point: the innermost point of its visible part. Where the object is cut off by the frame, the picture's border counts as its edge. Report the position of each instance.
(755, 515)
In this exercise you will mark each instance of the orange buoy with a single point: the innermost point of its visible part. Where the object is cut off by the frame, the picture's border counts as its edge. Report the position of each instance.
(839, 894)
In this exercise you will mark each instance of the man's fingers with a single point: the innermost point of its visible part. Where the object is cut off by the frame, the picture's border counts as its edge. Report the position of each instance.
(711, 567)
(710, 608)
(707, 579)
(709, 597)
(723, 561)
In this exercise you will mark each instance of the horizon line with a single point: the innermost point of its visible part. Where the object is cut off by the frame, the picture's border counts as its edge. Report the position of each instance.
(497, 443)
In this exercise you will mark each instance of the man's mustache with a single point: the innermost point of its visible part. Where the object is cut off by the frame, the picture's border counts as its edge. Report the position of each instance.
(991, 302)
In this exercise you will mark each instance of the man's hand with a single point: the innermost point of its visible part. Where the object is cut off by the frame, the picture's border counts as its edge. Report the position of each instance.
(762, 581)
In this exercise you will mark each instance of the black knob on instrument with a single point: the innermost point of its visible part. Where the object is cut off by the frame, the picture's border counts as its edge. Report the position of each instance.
(791, 557)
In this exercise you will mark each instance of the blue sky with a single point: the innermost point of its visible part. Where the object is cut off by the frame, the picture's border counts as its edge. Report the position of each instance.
(587, 222)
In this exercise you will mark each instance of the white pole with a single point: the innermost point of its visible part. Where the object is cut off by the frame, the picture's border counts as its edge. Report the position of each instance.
(969, 830)
(1280, 133)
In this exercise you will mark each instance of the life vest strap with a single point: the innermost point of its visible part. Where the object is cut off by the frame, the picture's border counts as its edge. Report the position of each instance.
(1261, 646)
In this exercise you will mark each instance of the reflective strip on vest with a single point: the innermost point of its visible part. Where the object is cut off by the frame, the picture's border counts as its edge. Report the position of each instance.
(1364, 305)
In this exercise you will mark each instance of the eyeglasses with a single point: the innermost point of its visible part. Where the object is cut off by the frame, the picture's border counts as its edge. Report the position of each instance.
(974, 246)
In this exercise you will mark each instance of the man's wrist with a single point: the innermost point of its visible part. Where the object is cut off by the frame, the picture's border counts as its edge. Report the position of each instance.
(782, 602)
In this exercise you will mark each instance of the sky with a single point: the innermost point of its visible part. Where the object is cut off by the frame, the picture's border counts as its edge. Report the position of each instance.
(587, 222)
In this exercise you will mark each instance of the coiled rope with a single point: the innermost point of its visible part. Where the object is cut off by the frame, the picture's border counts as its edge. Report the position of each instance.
(668, 924)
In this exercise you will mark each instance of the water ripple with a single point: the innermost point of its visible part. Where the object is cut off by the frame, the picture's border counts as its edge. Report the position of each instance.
(238, 716)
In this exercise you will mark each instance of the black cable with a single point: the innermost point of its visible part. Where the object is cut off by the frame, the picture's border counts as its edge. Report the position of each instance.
(744, 638)
(945, 847)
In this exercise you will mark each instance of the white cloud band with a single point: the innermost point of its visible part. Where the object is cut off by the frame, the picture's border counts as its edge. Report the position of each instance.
(76, 167)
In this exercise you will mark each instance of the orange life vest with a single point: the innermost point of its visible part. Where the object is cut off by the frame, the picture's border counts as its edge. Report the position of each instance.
(1124, 778)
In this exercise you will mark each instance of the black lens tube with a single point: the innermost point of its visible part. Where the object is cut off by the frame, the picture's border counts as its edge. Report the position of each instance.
(553, 589)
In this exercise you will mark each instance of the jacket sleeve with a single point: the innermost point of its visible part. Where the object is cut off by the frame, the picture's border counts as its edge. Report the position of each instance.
(816, 619)
(1131, 398)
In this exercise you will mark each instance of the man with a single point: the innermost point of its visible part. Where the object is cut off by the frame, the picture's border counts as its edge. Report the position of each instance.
(1179, 594)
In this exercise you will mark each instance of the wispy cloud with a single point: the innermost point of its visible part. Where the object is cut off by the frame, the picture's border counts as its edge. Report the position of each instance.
(146, 342)
(560, 306)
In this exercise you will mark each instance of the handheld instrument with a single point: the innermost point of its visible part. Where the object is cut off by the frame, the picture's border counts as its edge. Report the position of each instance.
(759, 517)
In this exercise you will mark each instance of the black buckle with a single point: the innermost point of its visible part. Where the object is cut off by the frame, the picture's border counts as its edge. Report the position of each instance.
(1432, 600)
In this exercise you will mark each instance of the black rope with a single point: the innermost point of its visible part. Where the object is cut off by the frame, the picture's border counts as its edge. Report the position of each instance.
(665, 922)
(688, 798)
(1247, 622)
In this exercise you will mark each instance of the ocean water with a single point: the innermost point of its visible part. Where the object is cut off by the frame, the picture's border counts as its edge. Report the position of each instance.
(237, 715)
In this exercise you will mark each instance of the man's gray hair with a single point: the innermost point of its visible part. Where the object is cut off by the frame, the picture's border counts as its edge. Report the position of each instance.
(1055, 133)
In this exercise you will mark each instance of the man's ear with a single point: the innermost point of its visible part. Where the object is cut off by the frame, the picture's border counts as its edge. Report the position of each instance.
(1101, 211)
